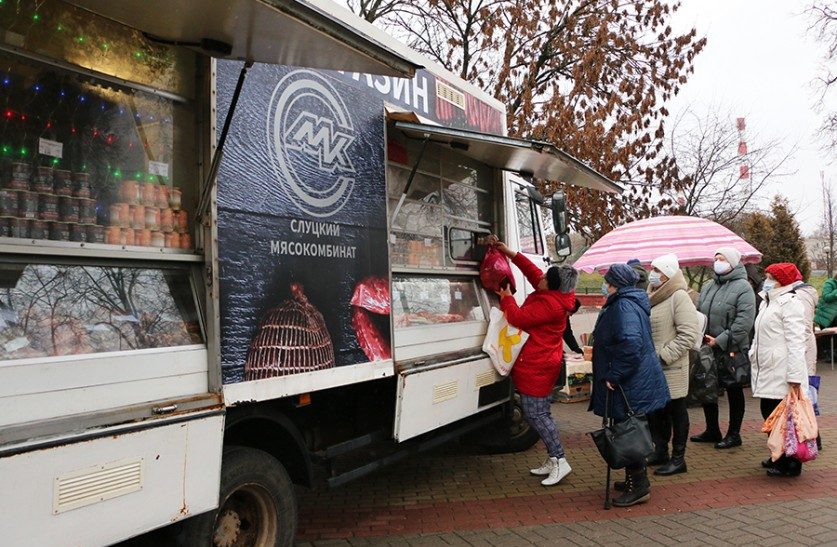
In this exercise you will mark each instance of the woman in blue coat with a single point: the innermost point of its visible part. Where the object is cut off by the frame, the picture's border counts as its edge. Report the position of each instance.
(624, 356)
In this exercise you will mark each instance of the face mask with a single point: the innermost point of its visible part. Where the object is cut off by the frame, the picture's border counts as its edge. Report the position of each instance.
(655, 279)
(768, 285)
(604, 288)
(722, 267)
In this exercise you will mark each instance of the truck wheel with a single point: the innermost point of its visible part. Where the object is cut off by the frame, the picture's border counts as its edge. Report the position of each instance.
(513, 433)
(257, 505)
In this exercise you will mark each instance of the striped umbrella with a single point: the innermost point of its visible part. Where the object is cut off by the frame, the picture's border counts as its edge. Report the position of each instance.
(694, 241)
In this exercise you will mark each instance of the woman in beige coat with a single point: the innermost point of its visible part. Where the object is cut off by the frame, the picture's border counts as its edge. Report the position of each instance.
(674, 328)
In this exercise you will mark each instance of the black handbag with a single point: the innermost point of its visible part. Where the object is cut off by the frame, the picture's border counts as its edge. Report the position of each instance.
(733, 369)
(703, 377)
(627, 442)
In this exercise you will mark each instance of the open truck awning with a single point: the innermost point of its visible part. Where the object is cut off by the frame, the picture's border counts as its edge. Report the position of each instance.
(539, 159)
(304, 33)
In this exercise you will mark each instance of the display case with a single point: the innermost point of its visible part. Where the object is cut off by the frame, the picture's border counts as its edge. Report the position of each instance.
(97, 132)
(448, 206)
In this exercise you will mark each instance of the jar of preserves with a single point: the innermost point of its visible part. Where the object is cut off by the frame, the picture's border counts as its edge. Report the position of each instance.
(95, 233)
(78, 233)
(8, 203)
(137, 214)
(48, 207)
(182, 221)
(152, 218)
(158, 239)
(167, 220)
(81, 185)
(113, 235)
(62, 183)
(87, 211)
(163, 195)
(27, 205)
(127, 237)
(130, 191)
(172, 240)
(185, 241)
(175, 196)
(59, 231)
(37, 229)
(68, 209)
(143, 237)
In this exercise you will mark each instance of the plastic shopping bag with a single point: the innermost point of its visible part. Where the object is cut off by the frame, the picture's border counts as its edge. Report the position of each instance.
(778, 425)
(803, 415)
(503, 342)
(495, 271)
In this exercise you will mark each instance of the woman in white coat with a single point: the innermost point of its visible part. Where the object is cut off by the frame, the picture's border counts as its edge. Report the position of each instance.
(777, 356)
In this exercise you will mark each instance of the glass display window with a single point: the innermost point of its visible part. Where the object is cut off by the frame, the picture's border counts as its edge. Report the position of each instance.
(86, 157)
(433, 300)
(49, 310)
(450, 194)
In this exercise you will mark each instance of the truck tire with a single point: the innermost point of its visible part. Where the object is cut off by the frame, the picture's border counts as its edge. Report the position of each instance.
(513, 433)
(256, 508)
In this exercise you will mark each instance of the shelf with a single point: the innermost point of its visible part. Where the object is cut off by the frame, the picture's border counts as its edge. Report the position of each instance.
(12, 245)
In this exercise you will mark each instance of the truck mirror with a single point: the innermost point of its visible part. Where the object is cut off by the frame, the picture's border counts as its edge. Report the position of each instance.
(563, 246)
(558, 205)
(535, 196)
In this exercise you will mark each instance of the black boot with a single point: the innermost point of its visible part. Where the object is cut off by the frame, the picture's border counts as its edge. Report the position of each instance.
(619, 486)
(677, 463)
(707, 437)
(637, 489)
(730, 441)
(659, 457)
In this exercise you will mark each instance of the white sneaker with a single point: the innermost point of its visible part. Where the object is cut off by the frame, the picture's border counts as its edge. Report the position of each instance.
(561, 470)
(546, 468)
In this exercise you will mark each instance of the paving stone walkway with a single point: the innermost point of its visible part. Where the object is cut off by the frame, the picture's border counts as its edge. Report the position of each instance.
(456, 497)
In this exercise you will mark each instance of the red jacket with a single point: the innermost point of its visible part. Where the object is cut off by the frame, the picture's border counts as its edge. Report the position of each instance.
(544, 316)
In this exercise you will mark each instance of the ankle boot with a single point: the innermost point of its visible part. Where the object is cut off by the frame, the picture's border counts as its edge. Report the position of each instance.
(559, 471)
(619, 486)
(730, 441)
(637, 489)
(707, 437)
(659, 457)
(677, 463)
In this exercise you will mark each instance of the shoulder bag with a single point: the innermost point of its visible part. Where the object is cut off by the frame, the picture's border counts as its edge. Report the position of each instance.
(627, 442)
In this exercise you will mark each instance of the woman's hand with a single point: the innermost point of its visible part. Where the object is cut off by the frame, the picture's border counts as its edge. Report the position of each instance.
(495, 242)
(710, 341)
(504, 292)
(610, 386)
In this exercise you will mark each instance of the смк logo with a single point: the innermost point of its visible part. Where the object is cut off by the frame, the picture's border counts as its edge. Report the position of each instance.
(309, 133)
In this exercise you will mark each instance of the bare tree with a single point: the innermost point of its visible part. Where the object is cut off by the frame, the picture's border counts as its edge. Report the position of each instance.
(825, 246)
(708, 159)
(824, 25)
(372, 10)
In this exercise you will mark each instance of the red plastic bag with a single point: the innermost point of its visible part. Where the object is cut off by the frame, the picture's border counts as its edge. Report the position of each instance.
(495, 271)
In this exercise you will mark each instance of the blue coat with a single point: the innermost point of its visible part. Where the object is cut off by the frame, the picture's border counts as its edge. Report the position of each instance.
(623, 354)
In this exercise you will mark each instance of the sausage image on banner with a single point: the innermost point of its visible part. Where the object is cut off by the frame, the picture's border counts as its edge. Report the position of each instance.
(291, 338)
(371, 296)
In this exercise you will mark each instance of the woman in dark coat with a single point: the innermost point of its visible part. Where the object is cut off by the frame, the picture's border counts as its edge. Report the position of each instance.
(624, 357)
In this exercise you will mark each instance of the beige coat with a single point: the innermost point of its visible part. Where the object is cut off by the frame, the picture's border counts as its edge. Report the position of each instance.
(674, 328)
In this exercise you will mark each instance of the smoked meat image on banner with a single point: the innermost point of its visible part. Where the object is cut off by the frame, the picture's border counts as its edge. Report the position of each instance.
(291, 338)
(371, 297)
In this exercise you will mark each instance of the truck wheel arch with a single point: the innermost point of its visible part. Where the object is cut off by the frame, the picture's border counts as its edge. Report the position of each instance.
(272, 431)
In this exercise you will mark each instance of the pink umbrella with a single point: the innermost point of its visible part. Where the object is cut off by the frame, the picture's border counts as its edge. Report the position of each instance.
(694, 241)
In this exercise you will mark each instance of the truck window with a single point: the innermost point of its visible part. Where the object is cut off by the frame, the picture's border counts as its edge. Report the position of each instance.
(52, 309)
(88, 157)
(426, 300)
(527, 225)
(450, 194)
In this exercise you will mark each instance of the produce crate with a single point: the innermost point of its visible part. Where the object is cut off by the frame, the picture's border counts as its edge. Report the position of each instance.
(575, 394)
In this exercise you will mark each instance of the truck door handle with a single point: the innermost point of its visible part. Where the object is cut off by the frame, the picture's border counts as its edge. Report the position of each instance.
(158, 410)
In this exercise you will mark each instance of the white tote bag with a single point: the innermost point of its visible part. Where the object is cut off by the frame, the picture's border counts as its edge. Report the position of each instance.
(503, 342)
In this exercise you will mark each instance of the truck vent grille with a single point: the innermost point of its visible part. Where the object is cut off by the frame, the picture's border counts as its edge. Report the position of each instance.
(445, 392)
(450, 94)
(485, 378)
(100, 483)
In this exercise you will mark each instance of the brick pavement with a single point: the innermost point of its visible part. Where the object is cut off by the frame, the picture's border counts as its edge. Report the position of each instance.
(453, 496)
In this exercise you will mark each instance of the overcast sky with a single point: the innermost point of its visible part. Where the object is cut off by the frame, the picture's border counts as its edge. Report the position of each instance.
(761, 63)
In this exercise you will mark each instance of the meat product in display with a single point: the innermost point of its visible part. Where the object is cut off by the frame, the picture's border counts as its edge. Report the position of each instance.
(291, 338)
(371, 296)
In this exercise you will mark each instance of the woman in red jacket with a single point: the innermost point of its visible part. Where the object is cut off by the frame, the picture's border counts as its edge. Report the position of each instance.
(544, 316)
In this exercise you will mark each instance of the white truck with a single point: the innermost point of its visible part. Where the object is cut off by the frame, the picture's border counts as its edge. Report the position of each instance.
(194, 318)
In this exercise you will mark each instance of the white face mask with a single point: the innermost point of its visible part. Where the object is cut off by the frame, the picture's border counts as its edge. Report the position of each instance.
(655, 279)
(722, 267)
(768, 285)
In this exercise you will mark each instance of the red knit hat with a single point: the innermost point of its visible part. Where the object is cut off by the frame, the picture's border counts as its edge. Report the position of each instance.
(784, 272)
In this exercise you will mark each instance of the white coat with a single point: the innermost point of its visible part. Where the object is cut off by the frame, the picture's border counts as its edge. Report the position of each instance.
(777, 355)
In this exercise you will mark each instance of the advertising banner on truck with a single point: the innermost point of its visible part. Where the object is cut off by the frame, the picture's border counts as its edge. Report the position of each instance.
(302, 225)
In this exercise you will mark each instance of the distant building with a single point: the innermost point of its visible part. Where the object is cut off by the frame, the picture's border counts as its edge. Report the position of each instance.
(817, 249)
